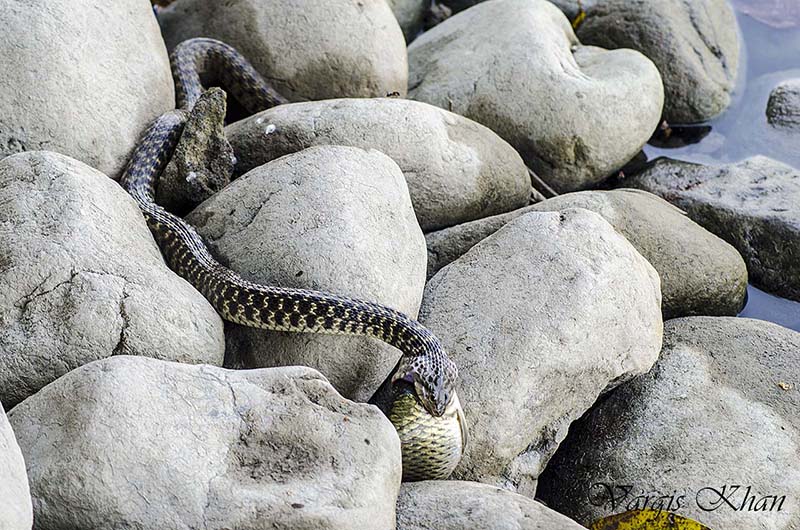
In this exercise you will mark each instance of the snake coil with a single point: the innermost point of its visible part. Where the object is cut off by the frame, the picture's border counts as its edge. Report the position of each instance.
(418, 397)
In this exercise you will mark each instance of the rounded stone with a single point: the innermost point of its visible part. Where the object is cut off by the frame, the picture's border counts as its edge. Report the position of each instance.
(715, 420)
(334, 219)
(149, 444)
(410, 15)
(783, 107)
(457, 505)
(541, 318)
(16, 510)
(308, 49)
(575, 113)
(82, 279)
(694, 44)
(456, 170)
(81, 77)
(752, 204)
(700, 273)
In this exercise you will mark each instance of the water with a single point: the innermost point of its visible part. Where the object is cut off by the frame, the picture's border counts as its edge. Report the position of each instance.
(770, 55)
(765, 306)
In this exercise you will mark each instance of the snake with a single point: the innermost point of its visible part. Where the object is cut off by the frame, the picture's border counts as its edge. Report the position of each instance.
(418, 396)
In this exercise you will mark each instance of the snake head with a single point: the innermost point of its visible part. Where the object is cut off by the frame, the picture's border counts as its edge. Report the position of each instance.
(433, 377)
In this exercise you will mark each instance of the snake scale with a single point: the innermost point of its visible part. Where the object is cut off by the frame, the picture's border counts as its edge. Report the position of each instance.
(418, 397)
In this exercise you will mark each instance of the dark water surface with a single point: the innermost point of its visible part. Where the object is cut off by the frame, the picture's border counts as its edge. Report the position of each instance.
(770, 55)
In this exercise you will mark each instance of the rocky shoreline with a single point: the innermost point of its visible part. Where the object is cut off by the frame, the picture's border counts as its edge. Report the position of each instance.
(594, 329)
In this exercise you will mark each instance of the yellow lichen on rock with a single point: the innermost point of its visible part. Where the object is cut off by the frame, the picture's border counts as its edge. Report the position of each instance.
(647, 520)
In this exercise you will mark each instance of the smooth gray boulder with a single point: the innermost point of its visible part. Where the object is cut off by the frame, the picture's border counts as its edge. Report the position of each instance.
(82, 279)
(541, 318)
(700, 273)
(718, 410)
(410, 15)
(457, 170)
(694, 44)
(783, 107)
(16, 511)
(81, 77)
(457, 505)
(332, 218)
(149, 444)
(311, 49)
(575, 113)
(571, 8)
(754, 205)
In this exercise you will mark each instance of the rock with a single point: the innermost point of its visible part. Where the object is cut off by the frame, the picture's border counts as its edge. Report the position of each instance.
(455, 505)
(456, 169)
(16, 512)
(694, 43)
(540, 318)
(81, 77)
(447, 245)
(335, 219)
(700, 273)
(571, 8)
(459, 5)
(783, 107)
(203, 161)
(410, 15)
(314, 49)
(752, 204)
(148, 444)
(575, 113)
(82, 279)
(437, 14)
(719, 409)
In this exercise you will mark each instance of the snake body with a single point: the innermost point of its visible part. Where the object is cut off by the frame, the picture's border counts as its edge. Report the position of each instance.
(421, 401)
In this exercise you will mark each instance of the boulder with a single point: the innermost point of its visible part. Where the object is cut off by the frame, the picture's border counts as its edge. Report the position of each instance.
(308, 49)
(82, 279)
(459, 5)
(81, 77)
(700, 273)
(203, 161)
(457, 505)
(332, 218)
(753, 205)
(575, 113)
(148, 444)
(456, 169)
(447, 245)
(410, 15)
(783, 107)
(16, 511)
(573, 8)
(712, 432)
(694, 43)
(541, 318)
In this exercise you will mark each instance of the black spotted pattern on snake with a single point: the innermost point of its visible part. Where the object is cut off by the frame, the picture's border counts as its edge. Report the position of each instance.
(422, 403)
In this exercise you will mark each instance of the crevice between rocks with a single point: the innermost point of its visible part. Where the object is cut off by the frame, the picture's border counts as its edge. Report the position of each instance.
(121, 347)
